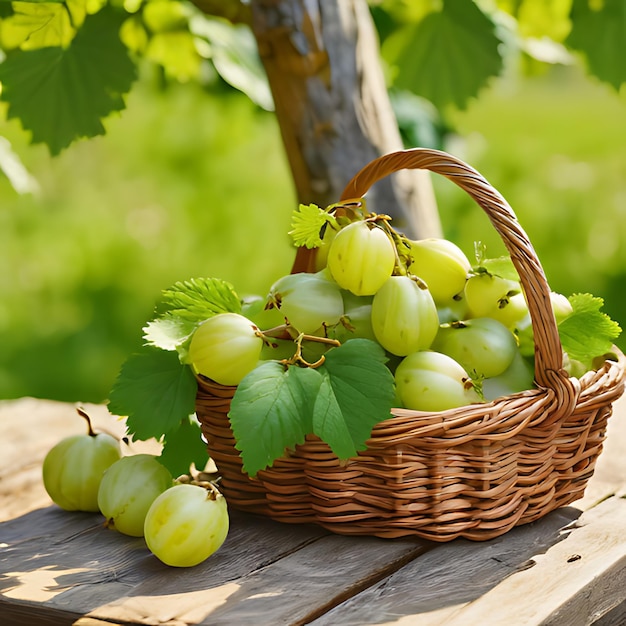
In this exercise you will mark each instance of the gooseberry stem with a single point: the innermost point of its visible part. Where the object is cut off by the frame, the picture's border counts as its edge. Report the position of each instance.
(85, 416)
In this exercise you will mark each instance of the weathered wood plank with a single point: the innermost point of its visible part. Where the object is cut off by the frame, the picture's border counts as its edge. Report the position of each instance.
(70, 564)
(58, 567)
(457, 573)
(290, 590)
(66, 565)
(535, 575)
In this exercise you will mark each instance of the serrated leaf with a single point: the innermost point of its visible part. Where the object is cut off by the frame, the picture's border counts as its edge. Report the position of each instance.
(271, 411)
(182, 447)
(329, 422)
(306, 225)
(358, 394)
(80, 84)
(155, 391)
(587, 332)
(448, 56)
(168, 332)
(198, 299)
(599, 32)
(37, 25)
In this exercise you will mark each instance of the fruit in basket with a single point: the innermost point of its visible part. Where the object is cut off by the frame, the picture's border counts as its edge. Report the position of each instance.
(308, 301)
(518, 376)
(127, 490)
(431, 381)
(361, 258)
(73, 468)
(356, 320)
(483, 346)
(186, 524)
(511, 310)
(404, 316)
(484, 292)
(225, 348)
(442, 265)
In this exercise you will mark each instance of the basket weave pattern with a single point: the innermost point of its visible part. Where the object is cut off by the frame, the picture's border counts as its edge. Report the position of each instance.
(473, 472)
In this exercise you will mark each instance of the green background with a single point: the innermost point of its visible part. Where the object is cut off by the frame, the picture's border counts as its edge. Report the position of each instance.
(190, 183)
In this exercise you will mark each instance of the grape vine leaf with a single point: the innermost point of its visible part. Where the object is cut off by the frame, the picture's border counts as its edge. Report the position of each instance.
(271, 411)
(599, 32)
(446, 57)
(357, 393)
(184, 306)
(62, 94)
(307, 223)
(274, 409)
(37, 24)
(587, 332)
(155, 391)
(182, 447)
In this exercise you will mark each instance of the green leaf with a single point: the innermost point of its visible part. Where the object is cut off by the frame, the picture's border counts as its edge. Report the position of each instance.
(587, 332)
(271, 412)
(306, 225)
(198, 299)
(182, 447)
(448, 56)
(155, 391)
(235, 54)
(599, 32)
(176, 52)
(184, 306)
(358, 393)
(37, 25)
(168, 332)
(62, 94)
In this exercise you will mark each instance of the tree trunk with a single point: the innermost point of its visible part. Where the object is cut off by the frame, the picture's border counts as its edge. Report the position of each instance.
(322, 62)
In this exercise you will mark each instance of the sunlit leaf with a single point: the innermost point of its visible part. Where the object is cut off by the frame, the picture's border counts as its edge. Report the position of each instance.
(176, 52)
(134, 35)
(62, 94)
(599, 32)
(235, 55)
(162, 16)
(448, 56)
(37, 25)
(538, 18)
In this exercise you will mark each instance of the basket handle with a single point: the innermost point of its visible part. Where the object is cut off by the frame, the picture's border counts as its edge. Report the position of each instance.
(548, 351)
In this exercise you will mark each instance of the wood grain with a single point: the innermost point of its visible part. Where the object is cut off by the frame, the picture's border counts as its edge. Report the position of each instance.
(568, 569)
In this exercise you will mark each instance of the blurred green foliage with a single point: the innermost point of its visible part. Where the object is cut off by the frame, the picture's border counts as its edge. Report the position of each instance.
(185, 184)
(553, 146)
(188, 183)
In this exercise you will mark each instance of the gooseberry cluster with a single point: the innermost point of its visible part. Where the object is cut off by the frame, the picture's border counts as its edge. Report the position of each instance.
(452, 332)
(183, 522)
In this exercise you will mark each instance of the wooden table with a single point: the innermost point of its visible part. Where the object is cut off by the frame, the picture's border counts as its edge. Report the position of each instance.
(57, 567)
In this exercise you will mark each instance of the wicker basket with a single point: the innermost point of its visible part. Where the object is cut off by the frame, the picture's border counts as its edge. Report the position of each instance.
(473, 472)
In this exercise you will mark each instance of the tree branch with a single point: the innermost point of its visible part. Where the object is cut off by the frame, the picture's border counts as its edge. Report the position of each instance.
(323, 65)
